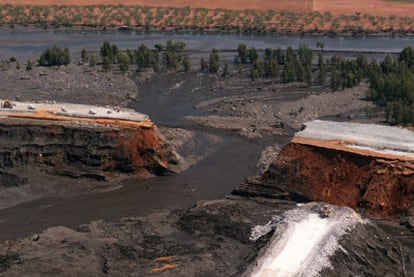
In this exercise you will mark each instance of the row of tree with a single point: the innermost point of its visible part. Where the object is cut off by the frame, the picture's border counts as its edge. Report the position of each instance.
(392, 85)
(391, 80)
(54, 56)
(172, 54)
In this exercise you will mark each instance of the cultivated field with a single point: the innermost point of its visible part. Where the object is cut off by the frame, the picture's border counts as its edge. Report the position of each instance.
(374, 7)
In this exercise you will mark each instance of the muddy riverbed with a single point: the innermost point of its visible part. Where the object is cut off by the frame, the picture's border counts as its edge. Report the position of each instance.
(219, 125)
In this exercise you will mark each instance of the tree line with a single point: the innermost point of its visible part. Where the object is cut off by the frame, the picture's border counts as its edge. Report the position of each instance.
(392, 86)
(391, 80)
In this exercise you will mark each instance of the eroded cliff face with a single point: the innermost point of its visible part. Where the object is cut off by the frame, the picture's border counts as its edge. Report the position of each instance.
(372, 185)
(82, 149)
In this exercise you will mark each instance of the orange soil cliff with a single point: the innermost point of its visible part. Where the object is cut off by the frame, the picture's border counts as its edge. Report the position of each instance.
(364, 166)
(78, 148)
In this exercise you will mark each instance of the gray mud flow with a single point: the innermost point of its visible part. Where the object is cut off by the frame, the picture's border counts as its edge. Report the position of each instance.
(228, 161)
(212, 178)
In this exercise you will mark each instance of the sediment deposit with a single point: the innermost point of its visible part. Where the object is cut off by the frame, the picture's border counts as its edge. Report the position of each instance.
(366, 167)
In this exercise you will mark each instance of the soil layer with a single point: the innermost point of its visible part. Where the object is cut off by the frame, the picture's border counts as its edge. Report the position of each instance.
(375, 186)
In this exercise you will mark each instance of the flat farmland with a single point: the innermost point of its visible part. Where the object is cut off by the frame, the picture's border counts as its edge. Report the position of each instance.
(375, 7)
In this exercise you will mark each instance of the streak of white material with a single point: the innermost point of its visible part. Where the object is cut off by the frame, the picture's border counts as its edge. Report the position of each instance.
(378, 138)
(304, 241)
(77, 110)
(291, 254)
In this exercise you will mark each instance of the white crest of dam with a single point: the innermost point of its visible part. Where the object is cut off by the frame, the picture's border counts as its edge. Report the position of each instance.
(374, 137)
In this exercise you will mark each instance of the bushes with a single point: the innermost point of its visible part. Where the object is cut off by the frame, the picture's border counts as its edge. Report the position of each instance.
(109, 51)
(55, 56)
(213, 61)
(392, 85)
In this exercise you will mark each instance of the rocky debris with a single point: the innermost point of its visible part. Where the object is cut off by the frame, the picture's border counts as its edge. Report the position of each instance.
(83, 150)
(70, 83)
(244, 126)
(8, 180)
(6, 261)
(375, 184)
(408, 222)
(367, 248)
(160, 244)
(318, 105)
(268, 155)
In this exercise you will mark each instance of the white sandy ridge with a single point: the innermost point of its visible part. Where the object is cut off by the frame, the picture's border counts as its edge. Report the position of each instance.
(75, 110)
(373, 137)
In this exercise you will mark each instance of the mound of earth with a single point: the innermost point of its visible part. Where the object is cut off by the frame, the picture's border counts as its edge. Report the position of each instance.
(367, 167)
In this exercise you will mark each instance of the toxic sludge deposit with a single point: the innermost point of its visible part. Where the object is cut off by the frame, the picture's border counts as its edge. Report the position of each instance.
(303, 241)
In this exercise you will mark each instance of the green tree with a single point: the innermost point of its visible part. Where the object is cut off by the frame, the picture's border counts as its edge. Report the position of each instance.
(110, 51)
(213, 62)
(123, 62)
(84, 56)
(253, 54)
(92, 60)
(159, 47)
(308, 74)
(225, 70)
(320, 45)
(280, 56)
(29, 65)
(186, 63)
(173, 54)
(171, 59)
(106, 64)
(145, 57)
(407, 56)
(321, 79)
(203, 65)
(243, 53)
(54, 56)
(305, 55)
(255, 70)
(271, 68)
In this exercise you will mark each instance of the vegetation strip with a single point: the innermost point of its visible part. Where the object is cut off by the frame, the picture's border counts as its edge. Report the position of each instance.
(194, 18)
